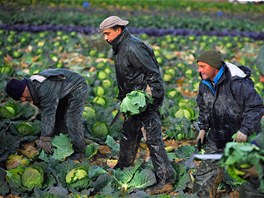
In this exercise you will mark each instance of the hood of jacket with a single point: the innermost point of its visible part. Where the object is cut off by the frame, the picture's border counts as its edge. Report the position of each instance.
(238, 71)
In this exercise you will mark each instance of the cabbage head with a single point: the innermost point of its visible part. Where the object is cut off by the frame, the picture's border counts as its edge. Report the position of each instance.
(78, 178)
(32, 177)
(100, 129)
(7, 111)
(135, 102)
(25, 128)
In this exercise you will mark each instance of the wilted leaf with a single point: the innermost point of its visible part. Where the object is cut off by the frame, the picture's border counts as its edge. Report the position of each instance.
(29, 150)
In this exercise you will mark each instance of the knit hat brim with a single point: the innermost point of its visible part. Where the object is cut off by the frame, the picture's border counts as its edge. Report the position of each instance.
(211, 57)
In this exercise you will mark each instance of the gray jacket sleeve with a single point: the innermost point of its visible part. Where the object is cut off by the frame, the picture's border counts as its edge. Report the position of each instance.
(49, 94)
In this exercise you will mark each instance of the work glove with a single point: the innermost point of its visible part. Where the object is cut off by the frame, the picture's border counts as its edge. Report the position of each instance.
(200, 140)
(45, 144)
(241, 137)
(250, 172)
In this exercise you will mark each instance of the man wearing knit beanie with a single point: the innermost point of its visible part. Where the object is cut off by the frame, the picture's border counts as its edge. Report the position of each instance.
(60, 95)
(213, 60)
(15, 88)
(229, 106)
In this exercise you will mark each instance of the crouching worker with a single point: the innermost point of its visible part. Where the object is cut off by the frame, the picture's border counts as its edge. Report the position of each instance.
(60, 95)
(228, 104)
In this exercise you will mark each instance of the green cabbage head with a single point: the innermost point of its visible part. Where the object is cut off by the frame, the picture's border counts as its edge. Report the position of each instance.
(32, 177)
(78, 178)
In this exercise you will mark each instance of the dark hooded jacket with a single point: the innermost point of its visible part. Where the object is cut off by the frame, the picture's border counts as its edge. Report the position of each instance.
(230, 105)
(136, 66)
(47, 92)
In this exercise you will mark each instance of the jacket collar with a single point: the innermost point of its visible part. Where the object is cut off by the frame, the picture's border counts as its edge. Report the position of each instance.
(216, 80)
(235, 71)
(115, 43)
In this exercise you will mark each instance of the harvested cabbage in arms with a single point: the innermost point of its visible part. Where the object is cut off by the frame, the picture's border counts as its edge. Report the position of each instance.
(135, 102)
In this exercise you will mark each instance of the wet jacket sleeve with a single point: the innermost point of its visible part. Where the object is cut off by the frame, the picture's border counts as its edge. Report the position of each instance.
(49, 94)
(247, 97)
(142, 56)
(203, 119)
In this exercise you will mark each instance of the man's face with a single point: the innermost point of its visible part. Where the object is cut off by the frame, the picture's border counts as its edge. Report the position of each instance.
(110, 34)
(26, 96)
(206, 71)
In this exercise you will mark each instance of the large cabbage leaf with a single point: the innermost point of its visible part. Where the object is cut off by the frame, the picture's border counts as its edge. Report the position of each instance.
(135, 102)
(123, 177)
(243, 155)
(13, 176)
(63, 148)
(143, 179)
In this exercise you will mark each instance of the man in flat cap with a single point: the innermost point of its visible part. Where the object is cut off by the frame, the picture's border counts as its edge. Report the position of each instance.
(137, 69)
(228, 106)
(60, 95)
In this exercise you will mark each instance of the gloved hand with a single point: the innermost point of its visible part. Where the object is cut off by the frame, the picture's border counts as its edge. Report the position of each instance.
(241, 137)
(45, 144)
(250, 172)
(200, 138)
(148, 90)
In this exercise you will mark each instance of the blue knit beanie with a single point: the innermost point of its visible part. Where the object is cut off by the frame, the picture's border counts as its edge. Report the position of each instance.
(15, 88)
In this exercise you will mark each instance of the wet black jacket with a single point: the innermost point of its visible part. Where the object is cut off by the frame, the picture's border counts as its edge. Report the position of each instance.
(136, 66)
(235, 105)
(46, 94)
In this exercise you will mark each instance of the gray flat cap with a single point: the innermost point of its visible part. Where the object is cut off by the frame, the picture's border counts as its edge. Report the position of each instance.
(111, 22)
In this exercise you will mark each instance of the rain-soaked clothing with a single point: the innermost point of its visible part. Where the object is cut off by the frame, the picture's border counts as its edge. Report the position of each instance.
(227, 105)
(136, 67)
(60, 95)
(230, 105)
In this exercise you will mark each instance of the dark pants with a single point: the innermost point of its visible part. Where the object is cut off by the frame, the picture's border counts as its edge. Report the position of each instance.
(208, 175)
(133, 128)
(69, 117)
(251, 189)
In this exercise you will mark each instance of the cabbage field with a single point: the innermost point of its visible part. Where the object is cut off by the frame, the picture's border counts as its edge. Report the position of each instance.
(37, 35)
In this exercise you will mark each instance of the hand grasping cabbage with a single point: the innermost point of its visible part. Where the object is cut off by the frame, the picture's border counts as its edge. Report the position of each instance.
(135, 102)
